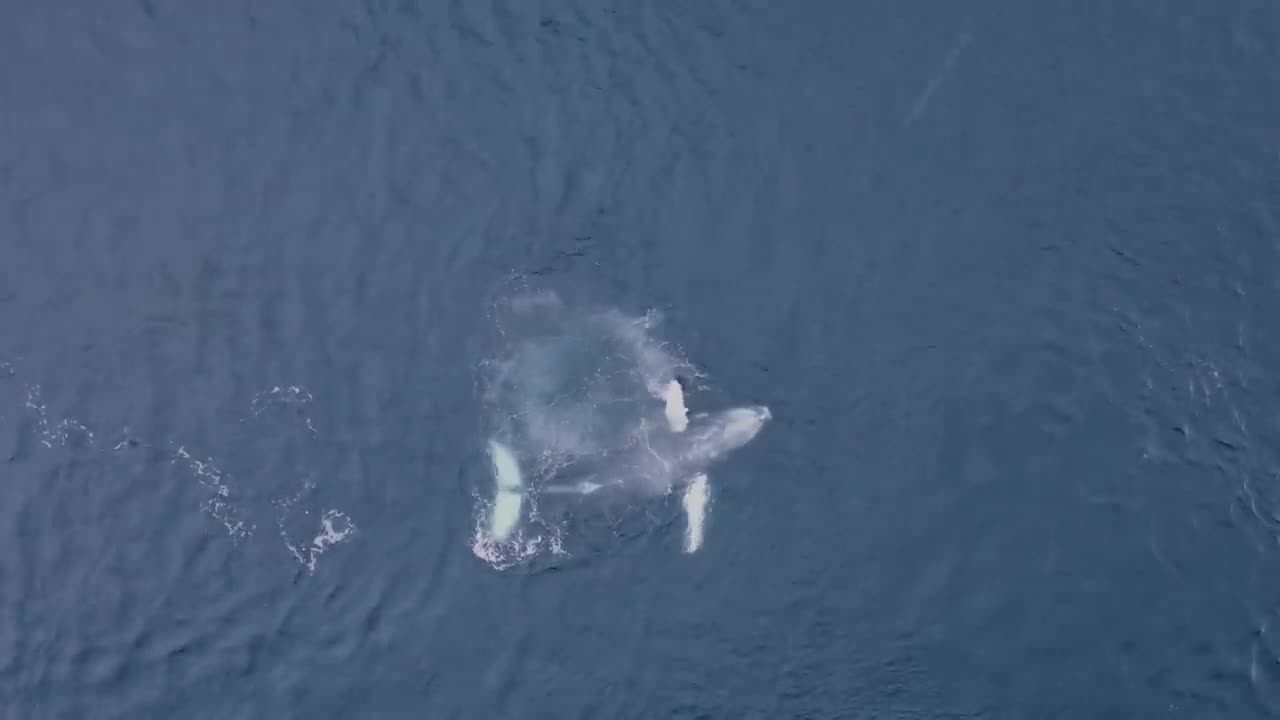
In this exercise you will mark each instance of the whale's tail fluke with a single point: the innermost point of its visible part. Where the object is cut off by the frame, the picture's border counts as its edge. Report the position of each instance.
(509, 492)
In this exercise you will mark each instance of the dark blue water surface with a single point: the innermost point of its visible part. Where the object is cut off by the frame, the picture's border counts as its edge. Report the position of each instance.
(1006, 273)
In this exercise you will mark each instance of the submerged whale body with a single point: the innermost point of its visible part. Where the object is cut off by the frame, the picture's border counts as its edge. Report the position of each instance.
(661, 460)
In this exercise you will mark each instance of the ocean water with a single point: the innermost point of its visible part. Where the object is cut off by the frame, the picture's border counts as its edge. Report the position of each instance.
(1004, 273)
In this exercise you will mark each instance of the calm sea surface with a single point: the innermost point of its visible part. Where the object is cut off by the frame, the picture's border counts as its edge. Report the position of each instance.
(1007, 275)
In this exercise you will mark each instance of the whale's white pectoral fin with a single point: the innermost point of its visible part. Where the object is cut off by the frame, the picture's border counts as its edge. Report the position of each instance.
(696, 495)
(509, 495)
(672, 396)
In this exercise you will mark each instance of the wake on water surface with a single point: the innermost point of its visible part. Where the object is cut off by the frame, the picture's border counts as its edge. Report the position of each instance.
(587, 424)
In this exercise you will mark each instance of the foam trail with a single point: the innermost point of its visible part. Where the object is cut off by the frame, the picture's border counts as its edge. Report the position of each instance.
(505, 512)
(695, 500)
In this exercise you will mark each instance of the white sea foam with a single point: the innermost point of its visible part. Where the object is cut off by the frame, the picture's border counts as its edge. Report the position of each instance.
(55, 433)
(219, 503)
(290, 396)
(335, 527)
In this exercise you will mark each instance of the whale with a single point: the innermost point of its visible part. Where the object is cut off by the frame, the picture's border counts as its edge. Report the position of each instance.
(658, 461)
